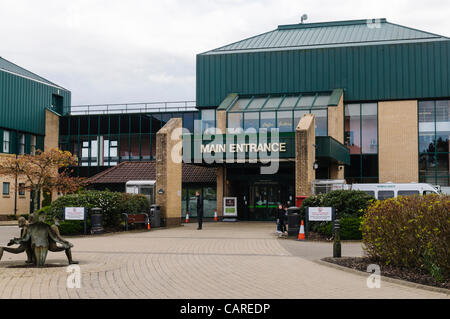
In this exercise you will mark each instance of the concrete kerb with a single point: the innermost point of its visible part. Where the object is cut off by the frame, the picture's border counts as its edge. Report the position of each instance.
(384, 278)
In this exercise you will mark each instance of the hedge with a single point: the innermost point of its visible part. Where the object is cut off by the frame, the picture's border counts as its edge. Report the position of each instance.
(113, 204)
(411, 232)
(350, 206)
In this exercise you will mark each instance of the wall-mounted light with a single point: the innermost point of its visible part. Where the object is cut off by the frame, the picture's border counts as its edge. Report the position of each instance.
(315, 166)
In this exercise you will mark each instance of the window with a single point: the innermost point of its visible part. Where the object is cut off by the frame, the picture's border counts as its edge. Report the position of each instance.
(110, 152)
(208, 121)
(370, 193)
(5, 188)
(251, 120)
(285, 121)
(282, 112)
(21, 189)
(361, 137)
(321, 122)
(382, 195)
(33, 145)
(267, 120)
(22, 144)
(434, 133)
(6, 141)
(57, 103)
(235, 121)
(407, 193)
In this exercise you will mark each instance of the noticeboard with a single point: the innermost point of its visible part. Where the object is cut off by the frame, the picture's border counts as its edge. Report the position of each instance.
(320, 214)
(74, 213)
(230, 206)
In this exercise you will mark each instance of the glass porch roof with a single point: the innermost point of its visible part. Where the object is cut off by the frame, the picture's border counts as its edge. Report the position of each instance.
(284, 102)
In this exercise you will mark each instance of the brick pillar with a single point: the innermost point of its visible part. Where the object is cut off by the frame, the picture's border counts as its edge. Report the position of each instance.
(51, 139)
(336, 131)
(305, 139)
(168, 172)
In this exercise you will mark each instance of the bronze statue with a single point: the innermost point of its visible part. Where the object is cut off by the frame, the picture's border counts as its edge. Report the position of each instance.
(52, 244)
(37, 239)
(23, 225)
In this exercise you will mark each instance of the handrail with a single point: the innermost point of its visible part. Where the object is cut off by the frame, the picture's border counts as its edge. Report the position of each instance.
(125, 108)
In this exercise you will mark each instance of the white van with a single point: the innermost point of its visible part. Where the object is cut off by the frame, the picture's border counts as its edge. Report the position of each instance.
(390, 190)
(146, 188)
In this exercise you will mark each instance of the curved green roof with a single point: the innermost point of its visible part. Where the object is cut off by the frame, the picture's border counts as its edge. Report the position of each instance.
(329, 34)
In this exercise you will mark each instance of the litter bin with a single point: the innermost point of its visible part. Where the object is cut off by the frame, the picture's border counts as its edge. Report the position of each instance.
(155, 216)
(293, 221)
(96, 221)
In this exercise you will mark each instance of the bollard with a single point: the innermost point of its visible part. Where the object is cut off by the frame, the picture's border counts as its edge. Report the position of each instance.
(337, 240)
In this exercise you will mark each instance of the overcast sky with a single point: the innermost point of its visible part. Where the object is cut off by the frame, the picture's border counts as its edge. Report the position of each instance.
(111, 51)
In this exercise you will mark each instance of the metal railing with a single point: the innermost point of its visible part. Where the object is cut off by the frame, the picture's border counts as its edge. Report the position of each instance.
(125, 108)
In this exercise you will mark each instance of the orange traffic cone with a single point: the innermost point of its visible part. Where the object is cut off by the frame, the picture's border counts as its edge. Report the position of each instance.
(301, 233)
(187, 218)
(148, 225)
(215, 215)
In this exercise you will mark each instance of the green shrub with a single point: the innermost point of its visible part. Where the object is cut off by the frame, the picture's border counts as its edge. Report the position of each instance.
(350, 206)
(411, 232)
(350, 228)
(113, 204)
(72, 227)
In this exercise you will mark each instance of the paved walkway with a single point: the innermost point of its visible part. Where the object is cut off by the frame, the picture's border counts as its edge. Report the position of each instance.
(224, 260)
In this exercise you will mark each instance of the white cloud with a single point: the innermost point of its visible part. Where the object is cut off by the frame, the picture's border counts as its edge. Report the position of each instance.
(108, 51)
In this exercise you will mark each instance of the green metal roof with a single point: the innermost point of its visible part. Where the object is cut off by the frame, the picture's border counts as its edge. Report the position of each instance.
(10, 67)
(330, 34)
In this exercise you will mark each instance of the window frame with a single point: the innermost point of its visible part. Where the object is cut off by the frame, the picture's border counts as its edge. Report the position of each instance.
(8, 189)
(6, 142)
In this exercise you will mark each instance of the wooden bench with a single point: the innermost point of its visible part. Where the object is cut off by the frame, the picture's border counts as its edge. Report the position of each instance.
(136, 219)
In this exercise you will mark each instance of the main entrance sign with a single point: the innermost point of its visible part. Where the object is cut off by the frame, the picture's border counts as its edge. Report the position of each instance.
(226, 147)
(244, 147)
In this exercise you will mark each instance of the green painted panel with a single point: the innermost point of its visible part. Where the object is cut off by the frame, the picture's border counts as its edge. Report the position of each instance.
(328, 147)
(23, 102)
(366, 73)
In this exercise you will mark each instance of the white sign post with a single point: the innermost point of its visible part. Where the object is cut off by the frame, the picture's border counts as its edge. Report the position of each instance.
(319, 214)
(230, 209)
(76, 213)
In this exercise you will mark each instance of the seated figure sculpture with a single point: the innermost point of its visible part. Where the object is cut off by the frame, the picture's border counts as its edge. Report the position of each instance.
(40, 238)
(52, 244)
(23, 225)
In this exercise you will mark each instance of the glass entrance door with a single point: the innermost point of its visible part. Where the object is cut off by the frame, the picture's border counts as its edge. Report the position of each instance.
(263, 201)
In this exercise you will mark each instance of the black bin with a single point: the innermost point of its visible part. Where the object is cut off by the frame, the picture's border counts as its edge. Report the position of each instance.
(96, 221)
(293, 221)
(155, 216)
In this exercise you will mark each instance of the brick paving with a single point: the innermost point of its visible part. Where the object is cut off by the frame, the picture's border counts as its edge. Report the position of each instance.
(224, 260)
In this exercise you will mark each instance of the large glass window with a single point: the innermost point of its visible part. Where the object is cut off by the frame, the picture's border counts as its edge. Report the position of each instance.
(268, 120)
(282, 112)
(33, 145)
(208, 121)
(5, 188)
(321, 122)
(6, 141)
(235, 121)
(285, 121)
(251, 120)
(434, 133)
(22, 144)
(361, 137)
